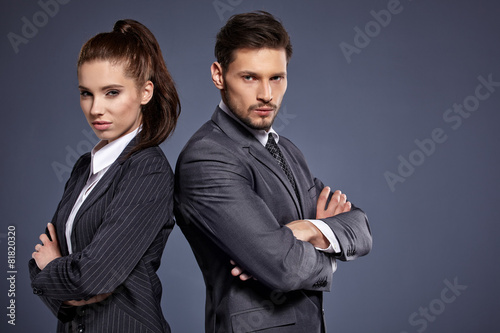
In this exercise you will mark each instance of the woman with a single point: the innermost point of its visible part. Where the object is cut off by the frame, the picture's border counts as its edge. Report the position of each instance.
(96, 266)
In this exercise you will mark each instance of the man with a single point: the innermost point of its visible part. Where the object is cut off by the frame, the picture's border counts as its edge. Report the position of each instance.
(242, 200)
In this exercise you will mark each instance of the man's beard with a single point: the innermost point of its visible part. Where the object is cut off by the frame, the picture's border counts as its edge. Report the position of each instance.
(247, 120)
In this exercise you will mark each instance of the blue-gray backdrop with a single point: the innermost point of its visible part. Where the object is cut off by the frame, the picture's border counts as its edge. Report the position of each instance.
(394, 102)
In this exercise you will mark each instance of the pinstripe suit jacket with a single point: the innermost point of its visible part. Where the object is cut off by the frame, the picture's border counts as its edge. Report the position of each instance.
(232, 200)
(118, 237)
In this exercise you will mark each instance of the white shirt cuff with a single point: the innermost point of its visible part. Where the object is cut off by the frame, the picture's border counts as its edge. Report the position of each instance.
(334, 264)
(328, 233)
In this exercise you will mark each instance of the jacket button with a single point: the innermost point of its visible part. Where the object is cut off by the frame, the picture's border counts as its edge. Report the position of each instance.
(37, 291)
(81, 328)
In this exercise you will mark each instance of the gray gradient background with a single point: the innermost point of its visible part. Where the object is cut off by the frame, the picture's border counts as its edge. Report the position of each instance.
(351, 120)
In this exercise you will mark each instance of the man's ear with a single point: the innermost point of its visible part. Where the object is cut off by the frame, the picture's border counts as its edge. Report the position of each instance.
(217, 76)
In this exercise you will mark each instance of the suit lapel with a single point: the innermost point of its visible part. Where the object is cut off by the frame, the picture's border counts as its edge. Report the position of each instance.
(266, 159)
(72, 191)
(248, 142)
(103, 184)
(301, 178)
(100, 188)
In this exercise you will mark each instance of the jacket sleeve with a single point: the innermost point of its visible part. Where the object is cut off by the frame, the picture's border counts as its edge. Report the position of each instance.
(351, 230)
(62, 312)
(214, 192)
(139, 208)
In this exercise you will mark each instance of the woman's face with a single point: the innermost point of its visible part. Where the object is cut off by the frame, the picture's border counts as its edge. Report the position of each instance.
(111, 101)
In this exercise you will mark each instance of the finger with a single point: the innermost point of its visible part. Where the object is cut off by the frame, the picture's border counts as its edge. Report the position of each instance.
(347, 207)
(75, 303)
(98, 298)
(44, 239)
(52, 232)
(341, 204)
(102, 297)
(334, 201)
(37, 247)
(336, 197)
(323, 197)
(244, 277)
(236, 271)
(232, 262)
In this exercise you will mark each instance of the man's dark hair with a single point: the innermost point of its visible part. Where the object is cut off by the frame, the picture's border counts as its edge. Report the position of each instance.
(253, 30)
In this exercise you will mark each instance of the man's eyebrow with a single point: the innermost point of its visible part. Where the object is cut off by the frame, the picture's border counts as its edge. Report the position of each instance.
(244, 72)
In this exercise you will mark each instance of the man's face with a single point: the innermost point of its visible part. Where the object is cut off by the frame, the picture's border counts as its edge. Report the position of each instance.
(253, 85)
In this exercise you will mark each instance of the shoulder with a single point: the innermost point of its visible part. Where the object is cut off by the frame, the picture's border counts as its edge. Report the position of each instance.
(151, 159)
(210, 141)
(81, 164)
(293, 154)
(285, 142)
(290, 146)
(212, 153)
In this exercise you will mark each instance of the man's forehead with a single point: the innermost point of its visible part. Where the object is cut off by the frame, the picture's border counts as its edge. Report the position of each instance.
(256, 60)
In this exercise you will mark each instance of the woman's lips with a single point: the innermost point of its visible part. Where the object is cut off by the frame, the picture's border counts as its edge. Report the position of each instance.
(101, 125)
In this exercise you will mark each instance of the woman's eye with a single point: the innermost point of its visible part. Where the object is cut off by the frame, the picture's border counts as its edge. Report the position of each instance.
(84, 93)
(112, 93)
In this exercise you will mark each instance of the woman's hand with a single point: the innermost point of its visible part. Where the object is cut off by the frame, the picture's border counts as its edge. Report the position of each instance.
(95, 299)
(48, 250)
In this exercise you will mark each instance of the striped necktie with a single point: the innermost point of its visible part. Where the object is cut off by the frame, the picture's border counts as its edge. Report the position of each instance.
(273, 148)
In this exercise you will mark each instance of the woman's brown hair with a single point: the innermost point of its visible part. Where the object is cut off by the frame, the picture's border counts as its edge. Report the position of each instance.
(133, 45)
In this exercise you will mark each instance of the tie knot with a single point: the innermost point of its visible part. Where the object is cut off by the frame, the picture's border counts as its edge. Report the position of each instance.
(272, 146)
(270, 137)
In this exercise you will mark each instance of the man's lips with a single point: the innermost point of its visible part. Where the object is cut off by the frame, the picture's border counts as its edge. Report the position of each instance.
(263, 111)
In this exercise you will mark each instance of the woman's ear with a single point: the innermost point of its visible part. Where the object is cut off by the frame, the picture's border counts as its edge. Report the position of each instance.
(147, 92)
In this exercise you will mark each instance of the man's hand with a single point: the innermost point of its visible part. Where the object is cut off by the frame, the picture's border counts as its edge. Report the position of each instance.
(305, 231)
(95, 299)
(48, 250)
(237, 271)
(338, 204)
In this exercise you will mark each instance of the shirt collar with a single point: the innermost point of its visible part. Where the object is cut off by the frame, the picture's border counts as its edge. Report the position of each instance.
(104, 154)
(260, 135)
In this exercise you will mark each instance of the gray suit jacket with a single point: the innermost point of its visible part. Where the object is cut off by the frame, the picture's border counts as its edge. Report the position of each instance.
(232, 201)
(118, 238)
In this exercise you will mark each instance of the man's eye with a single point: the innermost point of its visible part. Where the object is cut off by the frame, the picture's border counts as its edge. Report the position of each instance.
(248, 77)
(84, 93)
